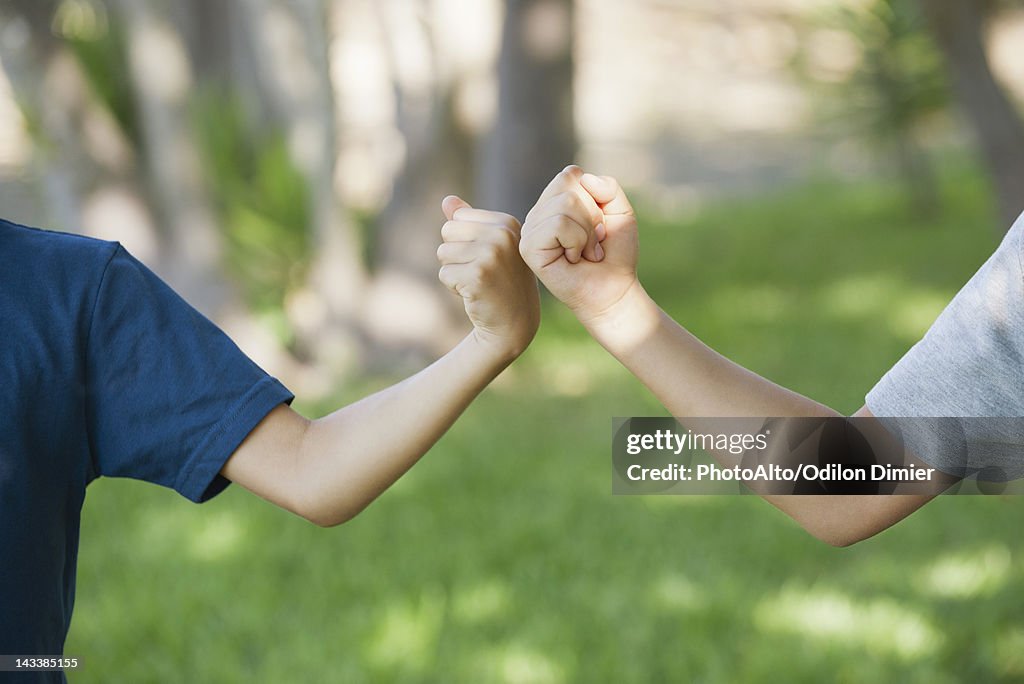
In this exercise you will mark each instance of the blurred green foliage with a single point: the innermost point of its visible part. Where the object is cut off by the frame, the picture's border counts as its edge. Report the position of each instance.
(261, 196)
(101, 47)
(503, 557)
(897, 86)
(900, 80)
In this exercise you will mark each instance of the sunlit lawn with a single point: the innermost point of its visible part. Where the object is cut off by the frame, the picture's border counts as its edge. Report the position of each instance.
(503, 556)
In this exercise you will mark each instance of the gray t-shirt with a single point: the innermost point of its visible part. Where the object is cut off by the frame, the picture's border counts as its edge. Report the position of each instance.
(968, 374)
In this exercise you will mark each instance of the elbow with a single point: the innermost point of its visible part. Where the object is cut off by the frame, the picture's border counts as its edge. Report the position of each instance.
(313, 497)
(838, 536)
(836, 522)
(840, 540)
(327, 511)
(327, 516)
(326, 521)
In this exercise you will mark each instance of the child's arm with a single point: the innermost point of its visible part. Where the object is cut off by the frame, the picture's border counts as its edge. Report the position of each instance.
(687, 376)
(328, 470)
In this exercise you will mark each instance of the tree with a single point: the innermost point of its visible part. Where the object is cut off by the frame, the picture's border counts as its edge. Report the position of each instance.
(288, 45)
(896, 86)
(162, 78)
(533, 135)
(221, 119)
(420, 317)
(56, 101)
(959, 30)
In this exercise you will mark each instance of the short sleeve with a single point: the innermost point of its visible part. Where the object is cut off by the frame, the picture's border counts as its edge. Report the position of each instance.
(969, 367)
(169, 396)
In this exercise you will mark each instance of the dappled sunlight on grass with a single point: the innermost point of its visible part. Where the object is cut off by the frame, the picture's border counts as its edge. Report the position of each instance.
(755, 303)
(883, 627)
(675, 592)
(405, 637)
(912, 311)
(221, 534)
(858, 296)
(963, 575)
(517, 663)
(481, 602)
(905, 309)
(571, 367)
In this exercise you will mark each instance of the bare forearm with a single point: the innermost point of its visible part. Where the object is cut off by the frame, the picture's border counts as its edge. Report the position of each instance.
(351, 456)
(329, 469)
(687, 376)
(693, 381)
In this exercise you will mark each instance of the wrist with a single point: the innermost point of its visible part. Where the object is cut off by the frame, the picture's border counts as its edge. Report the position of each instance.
(624, 322)
(500, 349)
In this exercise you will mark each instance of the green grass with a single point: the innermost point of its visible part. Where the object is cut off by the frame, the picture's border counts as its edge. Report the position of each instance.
(502, 557)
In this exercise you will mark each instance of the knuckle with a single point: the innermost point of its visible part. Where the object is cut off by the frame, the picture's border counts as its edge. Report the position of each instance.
(488, 258)
(546, 226)
(533, 224)
(569, 173)
(566, 201)
(571, 232)
(531, 216)
(504, 238)
(529, 244)
(511, 222)
(564, 224)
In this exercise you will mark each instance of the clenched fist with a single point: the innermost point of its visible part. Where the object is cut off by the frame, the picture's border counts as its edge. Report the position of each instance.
(581, 241)
(480, 262)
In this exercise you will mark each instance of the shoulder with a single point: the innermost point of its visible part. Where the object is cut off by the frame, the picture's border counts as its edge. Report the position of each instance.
(49, 281)
(30, 243)
(1014, 241)
(59, 258)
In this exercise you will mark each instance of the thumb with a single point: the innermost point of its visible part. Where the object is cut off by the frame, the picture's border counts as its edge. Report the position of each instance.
(451, 204)
(606, 192)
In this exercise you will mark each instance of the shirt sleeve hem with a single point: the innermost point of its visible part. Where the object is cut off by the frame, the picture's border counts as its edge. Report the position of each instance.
(881, 402)
(200, 479)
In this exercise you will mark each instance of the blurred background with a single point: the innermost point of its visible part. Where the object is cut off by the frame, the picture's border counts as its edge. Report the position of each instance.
(815, 179)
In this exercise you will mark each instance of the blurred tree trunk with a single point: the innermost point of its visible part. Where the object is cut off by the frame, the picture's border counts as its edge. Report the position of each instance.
(533, 136)
(210, 31)
(228, 55)
(50, 90)
(407, 307)
(163, 77)
(289, 45)
(85, 157)
(959, 27)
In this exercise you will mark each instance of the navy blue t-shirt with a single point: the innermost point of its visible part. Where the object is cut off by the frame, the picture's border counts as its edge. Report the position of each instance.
(104, 370)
